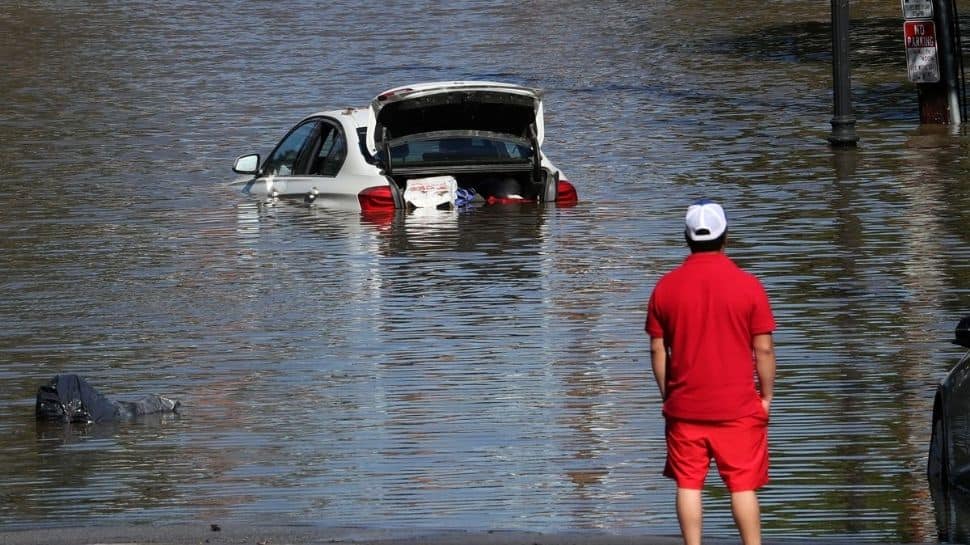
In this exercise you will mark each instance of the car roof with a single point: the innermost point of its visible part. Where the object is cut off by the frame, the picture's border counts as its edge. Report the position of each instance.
(356, 116)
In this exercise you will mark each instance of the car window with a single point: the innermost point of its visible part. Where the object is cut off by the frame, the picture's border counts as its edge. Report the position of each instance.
(330, 153)
(457, 150)
(284, 161)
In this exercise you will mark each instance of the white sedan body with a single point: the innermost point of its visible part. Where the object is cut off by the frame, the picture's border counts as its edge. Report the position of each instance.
(365, 159)
(328, 187)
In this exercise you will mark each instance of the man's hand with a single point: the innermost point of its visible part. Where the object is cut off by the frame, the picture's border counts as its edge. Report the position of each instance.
(766, 403)
(658, 360)
(764, 357)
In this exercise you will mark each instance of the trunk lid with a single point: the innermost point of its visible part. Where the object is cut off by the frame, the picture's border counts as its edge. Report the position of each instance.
(410, 112)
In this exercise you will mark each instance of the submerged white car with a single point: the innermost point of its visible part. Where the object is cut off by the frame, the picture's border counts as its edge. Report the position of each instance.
(442, 145)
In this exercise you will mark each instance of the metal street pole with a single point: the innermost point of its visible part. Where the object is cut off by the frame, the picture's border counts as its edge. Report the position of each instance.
(948, 57)
(843, 122)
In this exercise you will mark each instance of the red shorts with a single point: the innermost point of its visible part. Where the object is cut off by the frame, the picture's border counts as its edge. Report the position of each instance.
(739, 447)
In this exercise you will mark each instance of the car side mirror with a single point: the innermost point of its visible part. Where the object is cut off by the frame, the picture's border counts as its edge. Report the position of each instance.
(246, 164)
(962, 333)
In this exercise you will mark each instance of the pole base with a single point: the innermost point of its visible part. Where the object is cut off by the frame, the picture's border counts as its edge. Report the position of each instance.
(843, 132)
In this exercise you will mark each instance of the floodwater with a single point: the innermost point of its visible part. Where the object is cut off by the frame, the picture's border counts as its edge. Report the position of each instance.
(480, 370)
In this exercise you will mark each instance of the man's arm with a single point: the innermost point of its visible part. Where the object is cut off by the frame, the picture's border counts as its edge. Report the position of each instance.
(764, 356)
(658, 358)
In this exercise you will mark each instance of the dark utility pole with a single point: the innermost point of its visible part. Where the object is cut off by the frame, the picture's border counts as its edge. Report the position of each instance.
(948, 57)
(843, 122)
(931, 33)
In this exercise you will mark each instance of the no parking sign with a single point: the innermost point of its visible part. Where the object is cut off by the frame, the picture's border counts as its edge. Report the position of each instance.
(922, 55)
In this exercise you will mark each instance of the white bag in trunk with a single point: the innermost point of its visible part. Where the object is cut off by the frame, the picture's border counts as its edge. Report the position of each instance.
(431, 192)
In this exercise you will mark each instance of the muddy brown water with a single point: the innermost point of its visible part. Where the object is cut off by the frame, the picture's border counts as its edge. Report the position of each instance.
(480, 370)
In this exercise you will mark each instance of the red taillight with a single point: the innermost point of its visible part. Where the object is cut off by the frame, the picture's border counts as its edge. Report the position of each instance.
(376, 199)
(566, 194)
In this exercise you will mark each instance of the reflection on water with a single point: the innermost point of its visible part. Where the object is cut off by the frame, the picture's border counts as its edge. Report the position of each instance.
(476, 370)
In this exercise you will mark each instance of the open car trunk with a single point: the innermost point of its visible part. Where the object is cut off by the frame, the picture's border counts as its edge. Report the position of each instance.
(493, 185)
(485, 135)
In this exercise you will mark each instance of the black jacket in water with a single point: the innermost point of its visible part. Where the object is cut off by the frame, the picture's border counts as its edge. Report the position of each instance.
(69, 398)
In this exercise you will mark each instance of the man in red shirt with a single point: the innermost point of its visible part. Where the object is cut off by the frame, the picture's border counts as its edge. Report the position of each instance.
(710, 326)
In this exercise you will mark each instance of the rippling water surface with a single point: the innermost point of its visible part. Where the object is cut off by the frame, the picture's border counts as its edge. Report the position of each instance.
(479, 370)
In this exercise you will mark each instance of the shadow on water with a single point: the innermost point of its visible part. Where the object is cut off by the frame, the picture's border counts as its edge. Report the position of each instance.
(875, 51)
(51, 435)
(875, 42)
(105, 463)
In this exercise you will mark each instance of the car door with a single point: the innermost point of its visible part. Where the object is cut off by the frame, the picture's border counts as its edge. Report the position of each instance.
(329, 151)
(309, 159)
(320, 178)
(290, 155)
(281, 172)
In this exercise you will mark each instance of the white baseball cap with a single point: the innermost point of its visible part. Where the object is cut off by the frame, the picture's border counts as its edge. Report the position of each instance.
(705, 220)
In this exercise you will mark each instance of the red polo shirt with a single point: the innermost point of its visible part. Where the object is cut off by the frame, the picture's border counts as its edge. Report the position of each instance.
(707, 311)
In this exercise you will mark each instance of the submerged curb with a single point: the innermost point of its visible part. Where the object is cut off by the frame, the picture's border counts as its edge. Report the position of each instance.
(212, 534)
